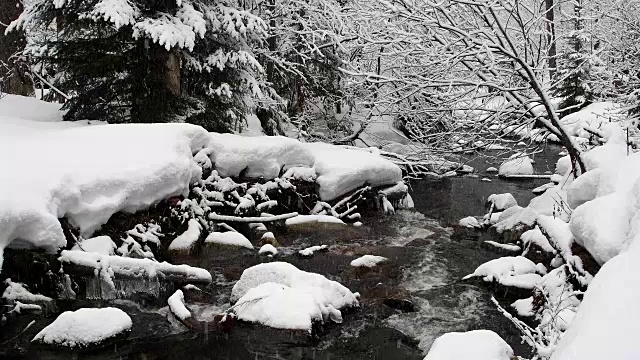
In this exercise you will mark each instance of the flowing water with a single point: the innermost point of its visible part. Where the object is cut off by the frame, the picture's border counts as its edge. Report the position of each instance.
(425, 266)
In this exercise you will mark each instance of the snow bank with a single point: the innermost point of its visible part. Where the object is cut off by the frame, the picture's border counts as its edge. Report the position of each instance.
(85, 327)
(229, 238)
(476, 345)
(368, 261)
(608, 320)
(29, 108)
(99, 244)
(592, 116)
(518, 164)
(187, 240)
(118, 168)
(336, 169)
(258, 156)
(341, 170)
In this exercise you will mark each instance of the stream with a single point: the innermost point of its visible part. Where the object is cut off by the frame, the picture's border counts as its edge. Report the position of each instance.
(406, 303)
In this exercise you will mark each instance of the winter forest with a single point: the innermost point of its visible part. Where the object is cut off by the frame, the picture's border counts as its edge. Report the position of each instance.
(320, 179)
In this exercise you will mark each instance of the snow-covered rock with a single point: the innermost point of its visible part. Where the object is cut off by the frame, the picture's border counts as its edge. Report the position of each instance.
(501, 202)
(368, 261)
(278, 294)
(99, 244)
(518, 164)
(476, 345)
(594, 116)
(312, 249)
(187, 240)
(268, 249)
(230, 238)
(85, 327)
(469, 222)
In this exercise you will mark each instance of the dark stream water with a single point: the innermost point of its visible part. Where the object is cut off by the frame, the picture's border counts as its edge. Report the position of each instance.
(425, 267)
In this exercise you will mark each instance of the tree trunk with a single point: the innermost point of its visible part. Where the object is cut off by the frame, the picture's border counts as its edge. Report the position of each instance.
(551, 37)
(13, 73)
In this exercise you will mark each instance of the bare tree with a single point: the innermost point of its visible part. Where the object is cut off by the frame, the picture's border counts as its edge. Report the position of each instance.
(455, 69)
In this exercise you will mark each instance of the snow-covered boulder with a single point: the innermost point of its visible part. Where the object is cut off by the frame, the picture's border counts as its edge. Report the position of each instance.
(584, 188)
(501, 202)
(229, 238)
(328, 291)
(608, 320)
(518, 164)
(268, 249)
(476, 345)
(99, 244)
(85, 327)
(469, 222)
(283, 307)
(368, 261)
(177, 307)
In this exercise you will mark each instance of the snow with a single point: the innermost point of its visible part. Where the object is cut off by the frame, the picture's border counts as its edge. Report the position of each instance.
(476, 345)
(310, 219)
(257, 156)
(501, 202)
(518, 164)
(608, 320)
(107, 266)
(301, 173)
(312, 249)
(18, 292)
(338, 169)
(120, 168)
(229, 238)
(593, 116)
(278, 294)
(535, 236)
(99, 244)
(188, 239)
(558, 231)
(177, 307)
(341, 169)
(85, 327)
(368, 261)
(268, 249)
(469, 222)
(14, 108)
(507, 247)
(491, 169)
(280, 306)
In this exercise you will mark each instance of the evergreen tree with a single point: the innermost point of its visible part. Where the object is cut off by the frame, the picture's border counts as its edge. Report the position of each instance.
(578, 66)
(149, 60)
